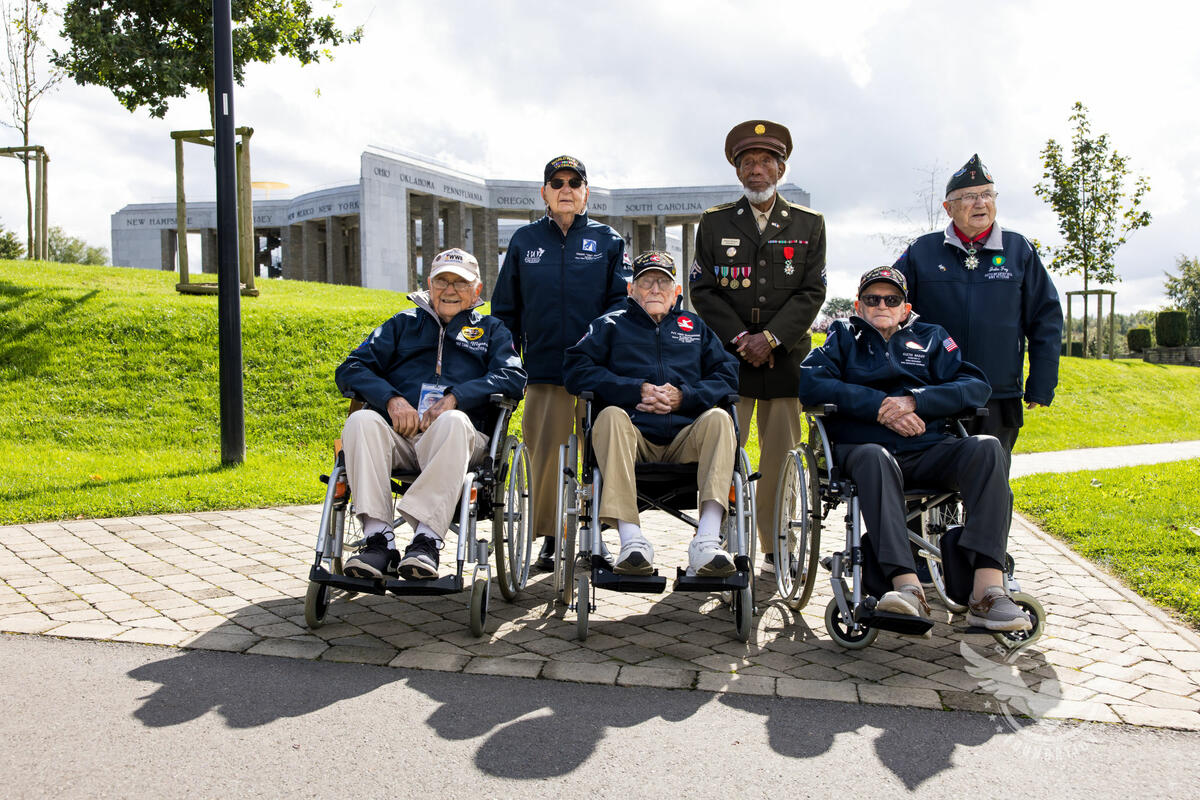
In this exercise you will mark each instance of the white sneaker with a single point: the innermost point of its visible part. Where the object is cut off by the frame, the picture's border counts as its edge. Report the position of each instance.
(707, 560)
(636, 558)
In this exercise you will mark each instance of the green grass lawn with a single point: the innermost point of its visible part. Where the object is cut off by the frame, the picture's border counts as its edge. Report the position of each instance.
(109, 400)
(1140, 523)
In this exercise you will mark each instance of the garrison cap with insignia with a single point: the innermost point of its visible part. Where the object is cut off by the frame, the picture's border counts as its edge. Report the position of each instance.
(885, 274)
(653, 259)
(973, 173)
(565, 162)
(760, 133)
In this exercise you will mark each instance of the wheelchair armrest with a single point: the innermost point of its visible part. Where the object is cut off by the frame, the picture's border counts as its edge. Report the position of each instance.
(821, 409)
(968, 414)
(731, 400)
(503, 400)
(587, 396)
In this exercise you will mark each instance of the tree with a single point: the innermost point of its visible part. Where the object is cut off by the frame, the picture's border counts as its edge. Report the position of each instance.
(1095, 212)
(1184, 290)
(26, 79)
(10, 245)
(73, 250)
(838, 307)
(927, 209)
(147, 52)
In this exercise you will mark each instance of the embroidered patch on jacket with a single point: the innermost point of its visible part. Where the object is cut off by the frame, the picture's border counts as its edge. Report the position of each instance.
(950, 344)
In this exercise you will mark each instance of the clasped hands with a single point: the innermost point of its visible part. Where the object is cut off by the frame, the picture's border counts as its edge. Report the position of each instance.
(406, 421)
(900, 415)
(660, 399)
(755, 348)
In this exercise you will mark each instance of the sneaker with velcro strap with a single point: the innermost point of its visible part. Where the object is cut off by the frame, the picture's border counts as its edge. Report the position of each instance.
(707, 559)
(636, 558)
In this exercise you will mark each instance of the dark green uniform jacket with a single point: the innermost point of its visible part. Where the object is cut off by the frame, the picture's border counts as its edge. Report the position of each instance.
(746, 281)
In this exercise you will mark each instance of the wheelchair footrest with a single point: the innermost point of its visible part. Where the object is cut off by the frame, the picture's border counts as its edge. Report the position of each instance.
(696, 583)
(647, 584)
(448, 584)
(905, 624)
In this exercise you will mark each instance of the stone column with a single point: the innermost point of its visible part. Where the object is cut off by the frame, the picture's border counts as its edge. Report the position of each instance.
(430, 245)
(289, 236)
(167, 239)
(353, 252)
(660, 233)
(688, 231)
(486, 225)
(335, 251)
(208, 250)
(312, 257)
(643, 238)
(415, 203)
(455, 221)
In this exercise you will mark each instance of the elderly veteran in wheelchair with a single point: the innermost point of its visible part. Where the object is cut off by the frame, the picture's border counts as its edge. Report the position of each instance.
(426, 376)
(658, 373)
(896, 381)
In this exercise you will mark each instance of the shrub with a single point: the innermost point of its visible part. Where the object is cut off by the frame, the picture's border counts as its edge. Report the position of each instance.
(1139, 339)
(1170, 328)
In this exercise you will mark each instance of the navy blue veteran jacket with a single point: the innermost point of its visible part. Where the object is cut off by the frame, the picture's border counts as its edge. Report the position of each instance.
(624, 349)
(856, 369)
(472, 357)
(551, 286)
(991, 310)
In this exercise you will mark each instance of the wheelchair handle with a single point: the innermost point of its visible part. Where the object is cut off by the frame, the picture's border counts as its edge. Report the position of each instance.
(821, 409)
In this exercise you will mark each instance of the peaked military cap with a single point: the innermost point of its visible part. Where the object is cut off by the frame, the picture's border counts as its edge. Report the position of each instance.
(565, 162)
(762, 133)
(973, 173)
(885, 274)
(653, 259)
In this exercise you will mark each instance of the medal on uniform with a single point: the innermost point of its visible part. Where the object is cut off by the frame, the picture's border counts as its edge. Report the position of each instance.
(746, 280)
(731, 252)
(972, 260)
(724, 275)
(788, 252)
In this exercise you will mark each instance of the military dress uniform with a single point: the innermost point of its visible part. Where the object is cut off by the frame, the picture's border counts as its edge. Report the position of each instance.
(746, 280)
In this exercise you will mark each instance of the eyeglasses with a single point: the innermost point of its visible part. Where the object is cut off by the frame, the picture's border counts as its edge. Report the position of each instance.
(889, 300)
(441, 284)
(662, 284)
(557, 183)
(970, 197)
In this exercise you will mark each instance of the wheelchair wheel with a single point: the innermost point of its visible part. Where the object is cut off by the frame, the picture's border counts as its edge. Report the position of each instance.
(938, 520)
(742, 606)
(583, 609)
(510, 525)
(1037, 615)
(797, 528)
(840, 633)
(479, 606)
(316, 603)
(567, 525)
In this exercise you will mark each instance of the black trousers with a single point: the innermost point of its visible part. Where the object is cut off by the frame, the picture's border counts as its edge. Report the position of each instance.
(976, 467)
(1004, 420)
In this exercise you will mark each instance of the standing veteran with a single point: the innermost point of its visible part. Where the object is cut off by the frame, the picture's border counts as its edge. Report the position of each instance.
(759, 282)
(559, 274)
(895, 382)
(988, 288)
(425, 376)
(658, 372)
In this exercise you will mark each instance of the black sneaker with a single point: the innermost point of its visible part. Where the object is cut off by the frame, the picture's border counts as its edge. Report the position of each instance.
(373, 560)
(769, 563)
(420, 560)
(545, 559)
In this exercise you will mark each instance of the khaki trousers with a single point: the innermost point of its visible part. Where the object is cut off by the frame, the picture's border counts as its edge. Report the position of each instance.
(551, 416)
(442, 454)
(619, 445)
(780, 428)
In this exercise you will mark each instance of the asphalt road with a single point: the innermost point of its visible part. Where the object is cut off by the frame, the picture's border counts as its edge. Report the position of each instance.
(95, 719)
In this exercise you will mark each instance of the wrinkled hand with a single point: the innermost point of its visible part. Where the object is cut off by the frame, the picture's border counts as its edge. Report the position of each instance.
(907, 425)
(403, 416)
(893, 408)
(660, 399)
(754, 348)
(448, 403)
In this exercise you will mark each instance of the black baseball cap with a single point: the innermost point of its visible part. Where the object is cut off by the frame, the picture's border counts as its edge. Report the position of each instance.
(565, 162)
(653, 259)
(886, 274)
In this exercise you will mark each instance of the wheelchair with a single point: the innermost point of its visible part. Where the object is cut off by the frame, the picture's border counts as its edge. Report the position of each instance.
(667, 487)
(496, 488)
(811, 487)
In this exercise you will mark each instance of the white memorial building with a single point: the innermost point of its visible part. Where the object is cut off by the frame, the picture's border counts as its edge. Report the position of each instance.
(370, 233)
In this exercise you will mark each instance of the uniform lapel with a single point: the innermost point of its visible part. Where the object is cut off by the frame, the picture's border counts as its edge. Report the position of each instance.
(776, 223)
(743, 220)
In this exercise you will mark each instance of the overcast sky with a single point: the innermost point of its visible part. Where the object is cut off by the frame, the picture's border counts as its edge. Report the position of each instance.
(875, 94)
